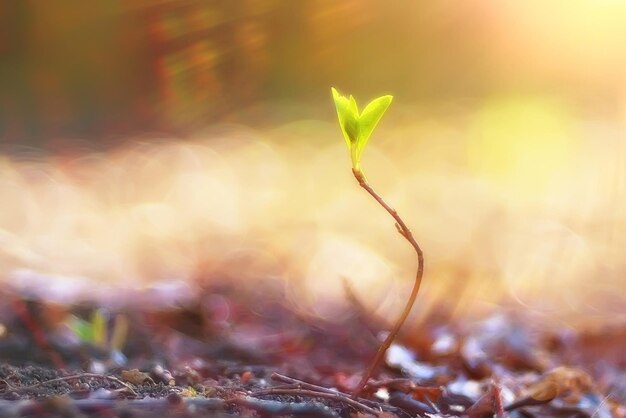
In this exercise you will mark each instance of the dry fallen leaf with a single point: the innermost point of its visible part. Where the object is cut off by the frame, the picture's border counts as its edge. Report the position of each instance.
(559, 381)
(135, 377)
(567, 382)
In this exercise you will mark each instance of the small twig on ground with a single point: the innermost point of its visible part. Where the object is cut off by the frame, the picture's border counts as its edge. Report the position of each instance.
(302, 384)
(333, 396)
(401, 384)
(76, 377)
(299, 384)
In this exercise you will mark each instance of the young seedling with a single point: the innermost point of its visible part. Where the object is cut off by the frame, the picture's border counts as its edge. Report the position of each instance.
(357, 127)
(95, 331)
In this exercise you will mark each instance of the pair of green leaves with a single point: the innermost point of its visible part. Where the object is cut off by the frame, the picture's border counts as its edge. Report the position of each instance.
(358, 127)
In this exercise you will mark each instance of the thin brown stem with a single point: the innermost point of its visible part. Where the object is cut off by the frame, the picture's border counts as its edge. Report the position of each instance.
(337, 397)
(302, 384)
(406, 233)
(299, 384)
(76, 377)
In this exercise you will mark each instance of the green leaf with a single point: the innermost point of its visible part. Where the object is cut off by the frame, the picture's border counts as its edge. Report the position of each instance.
(342, 105)
(99, 330)
(353, 108)
(368, 120)
(356, 128)
(80, 327)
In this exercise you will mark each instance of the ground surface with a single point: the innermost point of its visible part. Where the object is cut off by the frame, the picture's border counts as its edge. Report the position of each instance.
(241, 352)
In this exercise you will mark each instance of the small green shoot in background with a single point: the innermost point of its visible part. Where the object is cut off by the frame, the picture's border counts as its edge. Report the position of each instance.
(95, 331)
(357, 127)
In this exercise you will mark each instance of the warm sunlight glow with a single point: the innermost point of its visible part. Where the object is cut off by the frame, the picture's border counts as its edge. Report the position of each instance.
(528, 145)
(535, 210)
(196, 142)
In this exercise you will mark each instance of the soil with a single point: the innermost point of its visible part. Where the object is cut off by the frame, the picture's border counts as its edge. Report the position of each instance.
(233, 351)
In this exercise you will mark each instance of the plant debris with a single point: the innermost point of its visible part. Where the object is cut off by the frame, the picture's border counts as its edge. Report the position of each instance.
(267, 360)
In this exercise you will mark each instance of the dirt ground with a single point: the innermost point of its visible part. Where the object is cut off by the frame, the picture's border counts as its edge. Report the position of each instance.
(232, 351)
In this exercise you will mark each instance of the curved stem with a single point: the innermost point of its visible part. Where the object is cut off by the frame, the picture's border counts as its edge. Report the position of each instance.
(406, 233)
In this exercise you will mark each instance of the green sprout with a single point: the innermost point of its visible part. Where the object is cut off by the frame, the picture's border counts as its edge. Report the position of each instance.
(357, 129)
(94, 331)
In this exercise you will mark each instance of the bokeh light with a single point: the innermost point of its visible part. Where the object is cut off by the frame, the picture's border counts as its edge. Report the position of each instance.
(190, 141)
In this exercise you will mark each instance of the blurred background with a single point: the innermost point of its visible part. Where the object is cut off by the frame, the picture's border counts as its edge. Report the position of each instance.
(169, 141)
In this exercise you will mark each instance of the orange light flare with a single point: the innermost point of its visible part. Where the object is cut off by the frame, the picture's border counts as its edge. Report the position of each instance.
(530, 215)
